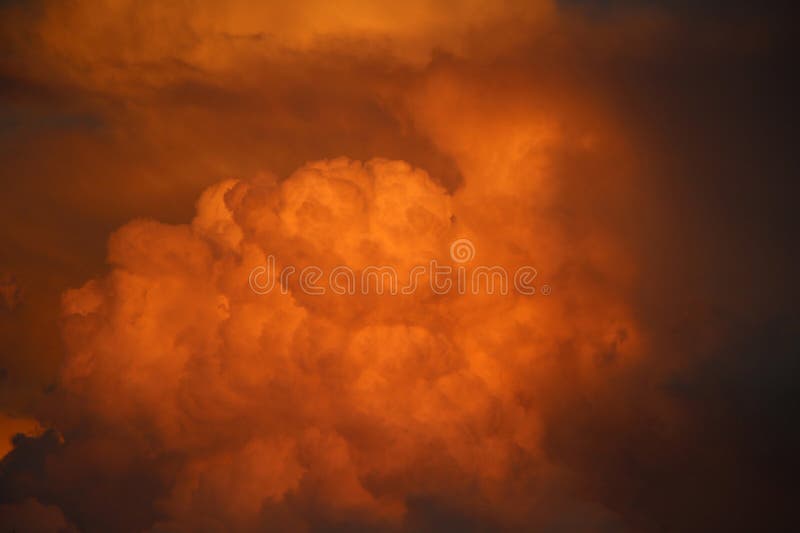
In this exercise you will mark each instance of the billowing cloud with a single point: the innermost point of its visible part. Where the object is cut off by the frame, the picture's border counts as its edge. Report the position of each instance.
(635, 155)
(355, 404)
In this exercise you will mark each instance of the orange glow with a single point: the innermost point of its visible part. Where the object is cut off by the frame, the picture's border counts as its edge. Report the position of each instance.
(158, 152)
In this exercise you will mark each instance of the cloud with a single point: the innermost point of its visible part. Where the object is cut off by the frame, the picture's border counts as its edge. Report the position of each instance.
(357, 406)
(635, 155)
(33, 516)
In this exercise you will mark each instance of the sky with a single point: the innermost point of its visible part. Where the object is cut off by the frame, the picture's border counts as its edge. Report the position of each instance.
(639, 156)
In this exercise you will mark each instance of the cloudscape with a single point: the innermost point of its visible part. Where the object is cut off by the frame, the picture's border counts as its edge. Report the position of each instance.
(397, 266)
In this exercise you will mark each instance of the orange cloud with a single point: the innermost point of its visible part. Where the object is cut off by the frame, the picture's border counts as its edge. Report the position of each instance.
(161, 393)
(337, 399)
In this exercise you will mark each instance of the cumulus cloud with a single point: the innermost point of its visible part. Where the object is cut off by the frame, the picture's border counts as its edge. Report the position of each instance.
(357, 404)
(612, 148)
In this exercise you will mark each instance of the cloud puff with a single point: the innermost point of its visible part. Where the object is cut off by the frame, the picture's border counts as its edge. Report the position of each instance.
(355, 405)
